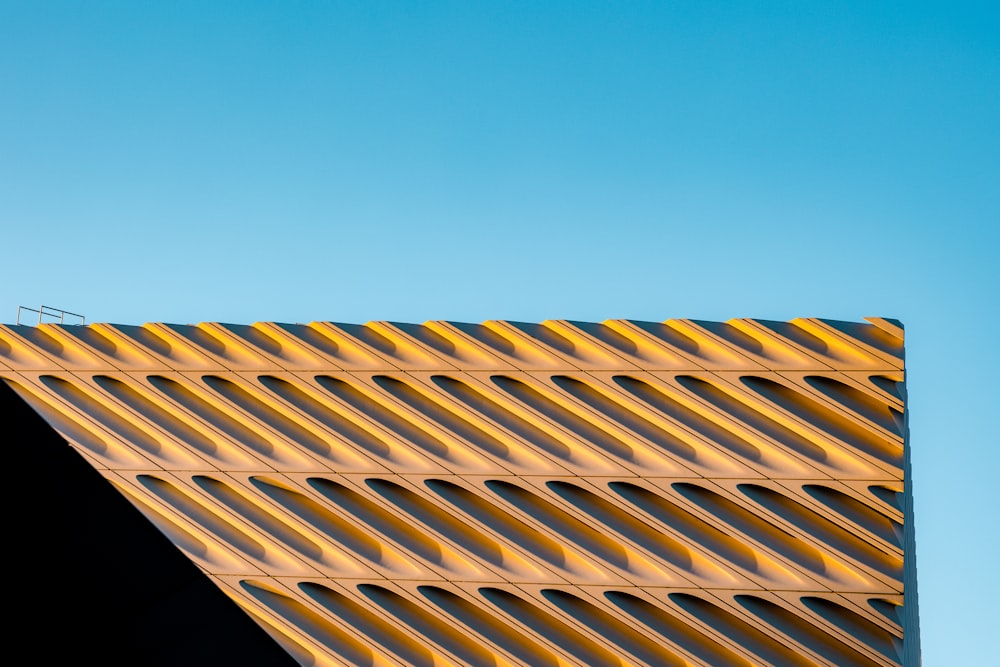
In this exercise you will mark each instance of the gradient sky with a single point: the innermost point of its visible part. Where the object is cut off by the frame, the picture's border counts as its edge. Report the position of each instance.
(356, 161)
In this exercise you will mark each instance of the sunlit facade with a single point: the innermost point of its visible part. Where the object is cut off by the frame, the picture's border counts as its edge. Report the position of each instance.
(563, 493)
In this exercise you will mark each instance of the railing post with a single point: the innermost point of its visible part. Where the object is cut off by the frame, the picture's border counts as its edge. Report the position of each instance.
(51, 311)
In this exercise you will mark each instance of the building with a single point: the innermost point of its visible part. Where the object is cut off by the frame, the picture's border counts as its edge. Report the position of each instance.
(563, 493)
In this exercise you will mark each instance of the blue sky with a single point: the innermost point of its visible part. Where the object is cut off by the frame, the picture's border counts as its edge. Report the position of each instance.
(357, 161)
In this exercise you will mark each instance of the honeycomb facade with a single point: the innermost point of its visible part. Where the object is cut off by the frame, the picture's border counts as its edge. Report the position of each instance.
(562, 493)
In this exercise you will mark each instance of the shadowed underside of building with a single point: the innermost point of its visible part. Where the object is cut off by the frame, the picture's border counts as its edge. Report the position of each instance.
(563, 493)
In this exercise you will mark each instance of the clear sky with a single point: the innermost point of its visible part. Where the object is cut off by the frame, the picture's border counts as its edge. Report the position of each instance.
(355, 161)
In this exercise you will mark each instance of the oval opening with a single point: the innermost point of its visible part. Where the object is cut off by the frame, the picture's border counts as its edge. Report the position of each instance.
(825, 530)
(822, 417)
(560, 415)
(371, 626)
(794, 626)
(488, 625)
(551, 628)
(772, 650)
(676, 631)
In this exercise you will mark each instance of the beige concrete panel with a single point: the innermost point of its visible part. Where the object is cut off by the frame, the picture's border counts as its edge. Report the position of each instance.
(604, 441)
(604, 422)
(653, 610)
(586, 630)
(212, 554)
(222, 515)
(650, 345)
(154, 347)
(467, 346)
(856, 395)
(353, 497)
(484, 393)
(636, 513)
(410, 496)
(333, 400)
(746, 340)
(519, 607)
(37, 347)
(593, 608)
(138, 348)
(883, 495)
(602, 394)
(604, 438)
(666, 394)
(401, 605)
(861, 424)
(630, 341)
(416, 347)
(252, 500)
(836, 622)
(825, 546)
(231, 345)
(214, 545)
(315, 655)
(756, 641)
(390, 400)
(829, 350)
(81, 347)
(713, 536)
(867, 612)
(463, 610)
(472, 499)
(622, 563)
(309, 631)
(106, 431)
(469, 446)
(326, 341)
(360, 347)
(787, 346)
(284, 407)
(311, 514)
(17, 352)
(705, 345)
(190, 424)
(789, 623)
(413, 441)
(885, 609)
(586, 345)
(462, 605)
(857, 345)
(128, 409)
(453, 401)
(888, 386)
(111, 344)
(189, 347)
(765, 342)
(519, 349)
(280, 345)
(744, 401)
(851, 511)
(406, 350)
(227, 403)
(360, 523)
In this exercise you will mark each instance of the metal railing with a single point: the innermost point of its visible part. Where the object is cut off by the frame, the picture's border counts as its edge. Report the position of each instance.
(49, 311)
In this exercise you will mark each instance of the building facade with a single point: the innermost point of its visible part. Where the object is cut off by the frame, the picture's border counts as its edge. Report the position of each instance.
(561, 493)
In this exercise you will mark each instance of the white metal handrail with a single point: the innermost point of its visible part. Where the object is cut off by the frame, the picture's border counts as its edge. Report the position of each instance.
(49, 311)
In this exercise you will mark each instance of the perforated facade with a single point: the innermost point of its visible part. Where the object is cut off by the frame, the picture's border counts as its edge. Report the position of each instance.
(562, 493)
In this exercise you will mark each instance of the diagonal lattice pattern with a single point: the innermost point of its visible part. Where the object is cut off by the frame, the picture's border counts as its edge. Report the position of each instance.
(616, 493)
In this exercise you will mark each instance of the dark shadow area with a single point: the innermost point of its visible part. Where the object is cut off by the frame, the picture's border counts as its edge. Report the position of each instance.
(93, 581)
